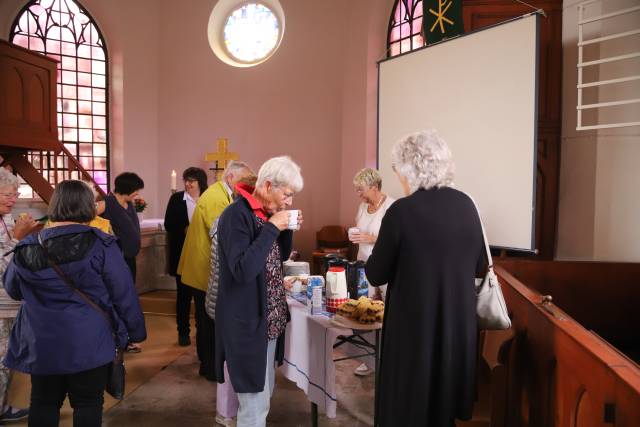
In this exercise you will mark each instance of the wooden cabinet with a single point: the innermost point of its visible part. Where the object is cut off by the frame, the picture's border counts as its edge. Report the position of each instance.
(28, 116)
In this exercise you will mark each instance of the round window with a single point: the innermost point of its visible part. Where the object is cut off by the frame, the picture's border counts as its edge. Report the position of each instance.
(244, 33)
(251, 32)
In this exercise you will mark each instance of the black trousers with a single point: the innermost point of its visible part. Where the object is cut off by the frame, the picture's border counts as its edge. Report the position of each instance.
(183, 306)
(86, 395)
(205, 336)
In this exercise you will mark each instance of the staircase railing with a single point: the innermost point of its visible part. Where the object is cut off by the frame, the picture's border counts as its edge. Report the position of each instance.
(43, 170)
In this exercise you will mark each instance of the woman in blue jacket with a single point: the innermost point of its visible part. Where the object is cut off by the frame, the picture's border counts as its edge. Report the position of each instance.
(64, 343)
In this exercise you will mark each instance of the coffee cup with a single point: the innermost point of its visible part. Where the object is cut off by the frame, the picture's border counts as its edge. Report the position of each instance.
(293, 219)
(352, 231)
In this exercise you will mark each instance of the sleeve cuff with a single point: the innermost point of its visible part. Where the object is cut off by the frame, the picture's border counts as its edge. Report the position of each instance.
(269, 227)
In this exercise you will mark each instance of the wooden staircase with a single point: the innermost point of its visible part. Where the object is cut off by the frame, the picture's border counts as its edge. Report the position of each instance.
(28, 122)
(42, 170)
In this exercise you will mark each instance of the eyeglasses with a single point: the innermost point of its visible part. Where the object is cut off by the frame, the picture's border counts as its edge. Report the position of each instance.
(10, 195)
(286, 196)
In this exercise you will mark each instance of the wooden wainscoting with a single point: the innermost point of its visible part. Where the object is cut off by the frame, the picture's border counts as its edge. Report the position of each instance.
(555, 371)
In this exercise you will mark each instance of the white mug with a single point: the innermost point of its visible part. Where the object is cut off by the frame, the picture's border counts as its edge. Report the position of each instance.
(293, 219)
(352, 231)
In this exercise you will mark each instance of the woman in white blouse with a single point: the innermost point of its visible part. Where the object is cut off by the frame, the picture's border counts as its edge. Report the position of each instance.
(368, 186)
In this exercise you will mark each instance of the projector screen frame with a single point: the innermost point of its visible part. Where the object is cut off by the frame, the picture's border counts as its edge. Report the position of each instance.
(538, 13)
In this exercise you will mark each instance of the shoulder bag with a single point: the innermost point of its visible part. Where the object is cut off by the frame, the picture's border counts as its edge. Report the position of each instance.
(491, 309)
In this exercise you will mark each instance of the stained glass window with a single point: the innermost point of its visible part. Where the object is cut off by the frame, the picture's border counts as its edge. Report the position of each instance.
(64, 30)
(405, 27)
(251, 32)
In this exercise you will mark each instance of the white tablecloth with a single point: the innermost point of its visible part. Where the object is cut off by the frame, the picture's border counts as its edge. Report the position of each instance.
(308, 355)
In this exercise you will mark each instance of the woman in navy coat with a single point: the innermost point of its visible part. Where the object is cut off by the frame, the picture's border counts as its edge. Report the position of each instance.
(251, 310)
(64, 343)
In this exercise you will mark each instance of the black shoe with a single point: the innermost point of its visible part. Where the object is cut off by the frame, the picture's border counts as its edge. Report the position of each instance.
(13, 414)
(184, 340)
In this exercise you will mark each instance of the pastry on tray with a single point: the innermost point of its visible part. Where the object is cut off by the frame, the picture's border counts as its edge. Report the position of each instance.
(362, 307)
(346, 310)
(362, 310)
(353, 303)
(367, 319)
(374, 309)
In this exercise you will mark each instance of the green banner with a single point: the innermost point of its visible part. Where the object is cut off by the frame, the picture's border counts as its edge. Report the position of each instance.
(442, 19)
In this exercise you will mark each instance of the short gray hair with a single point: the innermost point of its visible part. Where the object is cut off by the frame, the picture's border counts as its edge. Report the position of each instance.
(424, 158)
(7, 178)
(233, 167)
(369, 177)
(281, 171)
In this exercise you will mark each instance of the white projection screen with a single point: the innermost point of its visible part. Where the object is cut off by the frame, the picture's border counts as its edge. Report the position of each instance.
(479, 91)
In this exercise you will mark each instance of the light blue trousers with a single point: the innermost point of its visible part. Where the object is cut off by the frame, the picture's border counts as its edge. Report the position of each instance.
(254, 407)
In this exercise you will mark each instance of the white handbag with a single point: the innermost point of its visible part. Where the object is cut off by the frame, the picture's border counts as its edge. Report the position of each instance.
(491, 309)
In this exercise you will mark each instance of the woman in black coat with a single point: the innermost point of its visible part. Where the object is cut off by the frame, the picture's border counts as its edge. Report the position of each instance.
(429, 249)
(176, 220)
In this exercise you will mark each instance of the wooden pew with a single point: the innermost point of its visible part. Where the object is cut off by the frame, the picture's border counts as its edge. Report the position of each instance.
(563, 362)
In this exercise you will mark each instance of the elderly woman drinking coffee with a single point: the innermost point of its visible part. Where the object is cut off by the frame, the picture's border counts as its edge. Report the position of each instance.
(254, 238)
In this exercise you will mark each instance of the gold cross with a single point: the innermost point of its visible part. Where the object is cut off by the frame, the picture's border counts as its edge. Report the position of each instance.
(440, 15)
(222, 157)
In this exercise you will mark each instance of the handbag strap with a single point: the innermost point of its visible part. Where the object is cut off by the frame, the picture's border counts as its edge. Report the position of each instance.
(484, 234)
(71, 285)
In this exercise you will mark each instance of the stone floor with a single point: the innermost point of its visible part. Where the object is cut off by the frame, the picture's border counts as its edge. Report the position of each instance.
(178, 396)
(164, 388)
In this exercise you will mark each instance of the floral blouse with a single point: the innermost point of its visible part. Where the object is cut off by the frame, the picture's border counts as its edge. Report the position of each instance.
(276, 297)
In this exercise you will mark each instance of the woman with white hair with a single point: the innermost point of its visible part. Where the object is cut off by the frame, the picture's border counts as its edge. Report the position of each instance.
(251, 308)
(10, 233)
(429, 249)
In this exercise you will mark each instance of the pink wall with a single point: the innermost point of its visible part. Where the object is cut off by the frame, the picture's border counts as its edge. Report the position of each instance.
(366, 45)
(291, 104)
(314, 100)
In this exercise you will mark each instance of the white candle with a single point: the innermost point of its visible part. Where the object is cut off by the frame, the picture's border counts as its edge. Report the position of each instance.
(174, 185)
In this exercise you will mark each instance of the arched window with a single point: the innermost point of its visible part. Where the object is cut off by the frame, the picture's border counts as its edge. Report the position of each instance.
(64, 30)
(405, 27)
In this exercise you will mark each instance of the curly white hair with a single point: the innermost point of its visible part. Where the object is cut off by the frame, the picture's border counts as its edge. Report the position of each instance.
(424, 158)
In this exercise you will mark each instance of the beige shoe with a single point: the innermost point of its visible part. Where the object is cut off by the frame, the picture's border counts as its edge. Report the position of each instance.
(227, 422)
(363, 370)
